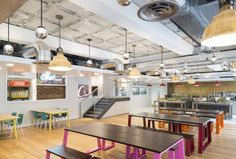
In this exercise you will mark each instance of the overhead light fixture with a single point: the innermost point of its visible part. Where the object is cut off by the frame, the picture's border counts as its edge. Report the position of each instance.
(225, 66)
(178, 85)
(196, 84)
(233, 66)
(222, 30)
(162, 84)
(217, 83)
(149, 85)
(175, 77)
(8, 48)
(213, 58)
(59, 62)
(41, 32)
(191, 80)
(161, 64)
(124, 2)
(10, 64)
(134, 72)
(89, 61)
(126, 53)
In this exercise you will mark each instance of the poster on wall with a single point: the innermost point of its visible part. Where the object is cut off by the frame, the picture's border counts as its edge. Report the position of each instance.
(83, 90)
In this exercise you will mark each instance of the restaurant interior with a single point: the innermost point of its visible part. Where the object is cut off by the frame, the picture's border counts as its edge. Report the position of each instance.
(117, 79)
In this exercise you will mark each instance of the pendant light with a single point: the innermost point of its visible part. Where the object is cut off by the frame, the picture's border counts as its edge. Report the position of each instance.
(161, 64)
(213, 59)
(196, 84)
(222, 30)
(134, 73)
(126, 53)
(178, 85)
(162, 85)
(191, 80)
(89, 61)
(41, 32)
(8, 48)
(60, 62)
(217, 83)
(124, 2)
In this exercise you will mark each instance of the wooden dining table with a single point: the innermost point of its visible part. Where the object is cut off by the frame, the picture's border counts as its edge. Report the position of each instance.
(218, 114)
(6, 117)
(201, 123)
(156, 142)
(55, 111)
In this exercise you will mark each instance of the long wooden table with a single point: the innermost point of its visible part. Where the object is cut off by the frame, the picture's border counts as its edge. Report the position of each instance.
(175, 119)
(5, 117)
(218, 114)
(55, 111)
(156, 142)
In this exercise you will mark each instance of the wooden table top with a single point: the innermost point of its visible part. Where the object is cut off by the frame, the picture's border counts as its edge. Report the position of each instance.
(192, 110)
(52, 111)
(141, 138)
(173, 118)
(6, 117)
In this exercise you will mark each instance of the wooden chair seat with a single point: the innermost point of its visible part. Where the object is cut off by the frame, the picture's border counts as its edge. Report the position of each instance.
(67, 153)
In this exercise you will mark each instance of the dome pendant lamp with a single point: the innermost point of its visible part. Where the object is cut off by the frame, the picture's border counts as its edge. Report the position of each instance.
(126, 53)
(89, 63)
(41, 32)
(222, 30)
(134, 72)
(59, 62)
(8, 48)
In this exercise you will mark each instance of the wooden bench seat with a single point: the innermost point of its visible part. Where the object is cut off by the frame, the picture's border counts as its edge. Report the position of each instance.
(67, 153)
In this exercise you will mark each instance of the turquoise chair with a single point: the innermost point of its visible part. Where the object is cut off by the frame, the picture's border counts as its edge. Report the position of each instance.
(19, 122)
(44, 120)
(37, 118)
(10, 124)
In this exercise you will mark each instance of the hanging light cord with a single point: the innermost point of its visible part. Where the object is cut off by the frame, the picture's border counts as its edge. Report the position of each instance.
(134, 52)
(59, 32)
(41, 12)
(89, 48)
(161, 55)
(126, 41)
(8, 29)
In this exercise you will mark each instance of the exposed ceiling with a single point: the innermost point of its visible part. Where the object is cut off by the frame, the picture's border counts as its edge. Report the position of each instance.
(79, 24)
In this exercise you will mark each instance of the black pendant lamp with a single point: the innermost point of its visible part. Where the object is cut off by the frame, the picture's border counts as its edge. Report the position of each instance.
(89, 61)
(8, 48)
(41, 32)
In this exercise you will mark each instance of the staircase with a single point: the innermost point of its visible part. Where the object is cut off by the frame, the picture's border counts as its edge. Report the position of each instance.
(101, 107)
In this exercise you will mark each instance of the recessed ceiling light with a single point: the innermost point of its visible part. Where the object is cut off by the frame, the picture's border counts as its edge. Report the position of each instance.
(10, 64)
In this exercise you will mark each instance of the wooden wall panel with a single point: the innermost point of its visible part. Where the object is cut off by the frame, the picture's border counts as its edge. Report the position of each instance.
(205, 88)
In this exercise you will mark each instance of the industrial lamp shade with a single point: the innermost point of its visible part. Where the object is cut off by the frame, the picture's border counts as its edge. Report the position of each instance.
(134, 73)
(222, 30)
(175, 78)
(191, 81)
(234, 67)
(60, 63)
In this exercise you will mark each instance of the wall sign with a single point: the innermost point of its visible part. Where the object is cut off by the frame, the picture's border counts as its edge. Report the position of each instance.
(19, 83)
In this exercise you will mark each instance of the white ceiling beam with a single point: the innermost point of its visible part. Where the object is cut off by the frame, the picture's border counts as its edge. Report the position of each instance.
(127, 18)
(26, 36)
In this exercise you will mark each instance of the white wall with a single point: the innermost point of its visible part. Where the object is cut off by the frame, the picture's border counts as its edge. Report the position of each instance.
(71, 101)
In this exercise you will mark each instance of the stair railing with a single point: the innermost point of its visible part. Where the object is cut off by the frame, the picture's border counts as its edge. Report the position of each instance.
(87, 99)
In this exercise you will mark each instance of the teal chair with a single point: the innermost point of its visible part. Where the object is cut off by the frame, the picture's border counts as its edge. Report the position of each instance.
(37, 117)
(9, 124)
(44, 120)
(19, 122)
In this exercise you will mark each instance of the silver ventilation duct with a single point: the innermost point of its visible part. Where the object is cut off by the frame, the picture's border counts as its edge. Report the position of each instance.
(156, 10)
(40, 50)
(116, 63)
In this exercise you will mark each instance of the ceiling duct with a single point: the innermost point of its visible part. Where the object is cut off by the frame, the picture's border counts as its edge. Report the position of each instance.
(116, 63)
(40, 50)
(195, 16)
(156, 10)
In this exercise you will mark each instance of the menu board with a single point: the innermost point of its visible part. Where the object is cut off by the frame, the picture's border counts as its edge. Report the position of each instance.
(50, 92)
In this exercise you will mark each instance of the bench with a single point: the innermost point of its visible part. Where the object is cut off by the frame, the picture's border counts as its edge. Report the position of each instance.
(189, 138)
(67, 153)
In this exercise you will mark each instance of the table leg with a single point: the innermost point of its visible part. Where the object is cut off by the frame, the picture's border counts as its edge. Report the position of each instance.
(65, 137)
(180, 150)
(104, 147)
(217, 124)
(222, 120)
(144, 122)
(209, 132)
(14, 126)
(156, 156)
(200, 138)
(99, 146)
(67, 119)
(129, 120)
(50, 122)
(153, 124)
